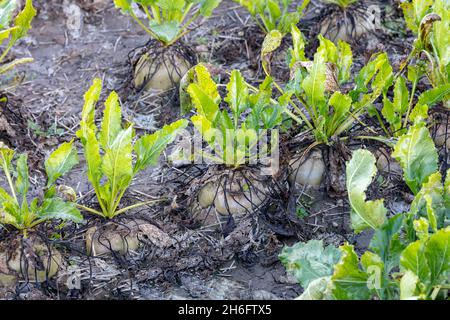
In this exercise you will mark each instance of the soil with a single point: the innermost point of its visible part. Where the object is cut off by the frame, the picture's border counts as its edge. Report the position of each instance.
(70, 48)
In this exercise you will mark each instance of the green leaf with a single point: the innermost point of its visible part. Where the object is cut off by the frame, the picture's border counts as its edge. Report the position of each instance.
(206, 83)
(374, 267)
(413, 259)
(345, 61)
(386, 242)
(401, 96)
(93, 158)
(417, 156)
(421, 227)
(349, 281)
(419, 114)
(409, 286)
(58, 209)
(379, 71)
(447, 191)
(318, 289)
(204, 100)
(237, 93)
(441, 36)
(328, 49)
(437, 253)
(271, 42)
(112, 121)
(23, 22)
(167, 31)
(314, 84)
(61, 161)
(88, 114)
(208, 6)
(6, 156)
(7, 8)
(414, 12)
(22, 181)
(434, 96)
(298, 46)
(149, 147)
(4, 196)
(309, 261)
(117, 162)
(341, 104)
(360, 171)
(430, 200)
(124, 5)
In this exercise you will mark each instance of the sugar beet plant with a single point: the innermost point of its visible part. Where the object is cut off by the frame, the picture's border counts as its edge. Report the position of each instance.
(167, 20)
(274, 14)
(15, 210)
(408, 256)
(232, 139)
(13, 29)
(233, 129)
(404, 109)
(109, 151)
(430, 21)
(164, 63)
(314, 92)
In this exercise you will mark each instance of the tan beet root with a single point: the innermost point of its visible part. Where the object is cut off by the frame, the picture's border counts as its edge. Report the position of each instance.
(21, 264)
(161, 74)
(236, 197)
(123, 238)
(442, 136)
(309, 172)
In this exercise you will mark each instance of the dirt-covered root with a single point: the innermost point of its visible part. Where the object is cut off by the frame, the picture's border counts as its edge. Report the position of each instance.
(441, 135)
(159, 68)
(234, 193)
(307, 169)
(124, 237)
(348, 24)
(386, 165)
(28, 259)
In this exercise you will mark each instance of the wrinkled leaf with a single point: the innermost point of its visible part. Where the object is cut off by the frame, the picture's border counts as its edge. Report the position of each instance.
(61, 161)
(309, 261)
(360, 171)
(417, 156)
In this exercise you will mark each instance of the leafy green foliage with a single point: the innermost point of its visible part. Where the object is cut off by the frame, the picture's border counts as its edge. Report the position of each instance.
(168, 20)
(232, 133)
(12, 31)
(427, 264)
(360, 171)
(274, 14)
(415, 243)
(430, 21)
(400, 112)
(417, 156)
(109, 151)
(15, 210)
(309, 261)
(316, 85)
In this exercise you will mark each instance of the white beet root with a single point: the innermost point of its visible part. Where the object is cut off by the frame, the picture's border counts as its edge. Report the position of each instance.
(238, 198)
(124, 238)
(18, 264)
(309, 172)
(442, 136)
(387, 164)
(162, 74)
(207, 194)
